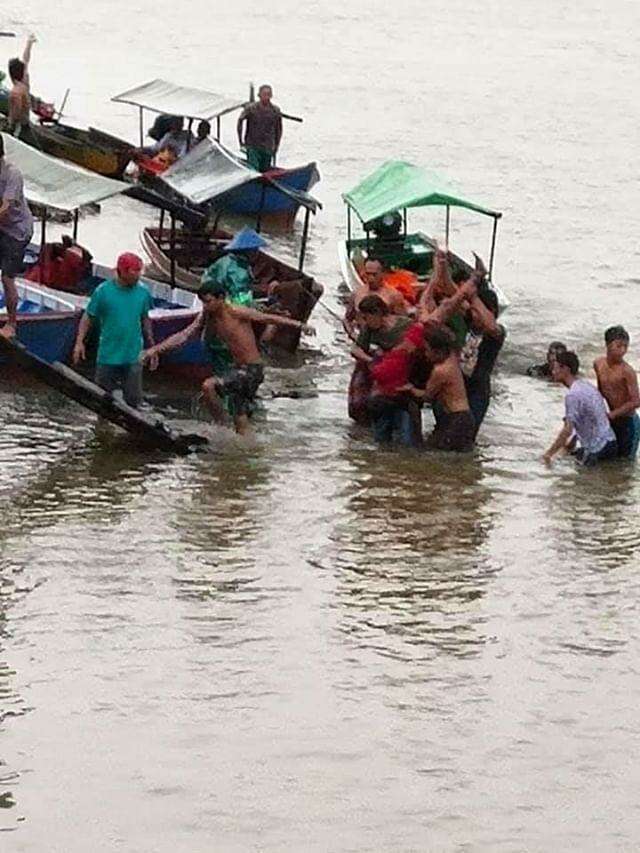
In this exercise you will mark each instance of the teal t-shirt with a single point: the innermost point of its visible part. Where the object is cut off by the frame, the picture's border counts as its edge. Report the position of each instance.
(119, 311)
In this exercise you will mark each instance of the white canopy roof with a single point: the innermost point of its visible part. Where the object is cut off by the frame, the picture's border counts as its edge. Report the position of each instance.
(54, 183)
(161, 96)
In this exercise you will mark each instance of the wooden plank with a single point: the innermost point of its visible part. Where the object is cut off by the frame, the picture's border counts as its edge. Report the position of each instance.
(151, 429)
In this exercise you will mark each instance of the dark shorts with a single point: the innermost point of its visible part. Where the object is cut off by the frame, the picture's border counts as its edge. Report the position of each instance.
(259, 159)
(609, 451)
(627, 432)
(454, 431)
(396, 417)
(11, 255)
(240, 386)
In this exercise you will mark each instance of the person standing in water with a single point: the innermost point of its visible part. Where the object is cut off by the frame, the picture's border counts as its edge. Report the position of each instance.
(585, 413)
(16, 230)
(618, 384)
(121, 306)
(263, 133)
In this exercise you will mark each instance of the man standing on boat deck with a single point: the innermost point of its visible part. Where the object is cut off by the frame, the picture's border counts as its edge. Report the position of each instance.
(236, 383)
(20, 97)
(121, 307)
(16, 230)
(263, 132)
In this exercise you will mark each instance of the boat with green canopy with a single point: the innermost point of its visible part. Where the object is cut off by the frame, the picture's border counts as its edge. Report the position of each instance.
(380, 203)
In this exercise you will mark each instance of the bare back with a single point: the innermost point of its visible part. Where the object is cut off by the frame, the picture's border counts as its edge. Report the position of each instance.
(237, 333)
(446, 385)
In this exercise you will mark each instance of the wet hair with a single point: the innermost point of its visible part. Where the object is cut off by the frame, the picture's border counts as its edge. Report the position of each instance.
(212, 288)
(176, 123)
(557, 346)
(265, 86)
(441, 339)
(489, 300)
(616, 333)
(567, 358)
(459, 276)
(16, 70)
(373, 305)
(203, 130)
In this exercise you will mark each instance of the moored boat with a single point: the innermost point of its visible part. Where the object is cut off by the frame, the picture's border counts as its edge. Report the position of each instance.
(47, 321)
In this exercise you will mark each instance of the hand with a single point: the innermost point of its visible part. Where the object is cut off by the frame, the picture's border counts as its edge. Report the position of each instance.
(547, 458)
(32, 39)
(307, 331)
(150, 357)
(470, 289)
(79, 352)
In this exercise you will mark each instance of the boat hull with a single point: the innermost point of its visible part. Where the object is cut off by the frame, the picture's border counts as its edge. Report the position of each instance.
(248, 199)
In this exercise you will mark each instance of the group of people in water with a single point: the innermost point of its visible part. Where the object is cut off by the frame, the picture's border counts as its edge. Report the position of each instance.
(438, 348)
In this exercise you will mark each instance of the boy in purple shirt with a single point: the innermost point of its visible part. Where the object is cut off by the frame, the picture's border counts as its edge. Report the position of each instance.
(585, 414)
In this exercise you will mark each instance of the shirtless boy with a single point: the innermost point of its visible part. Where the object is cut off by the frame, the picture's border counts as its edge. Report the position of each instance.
(231, 324)
(618, 384)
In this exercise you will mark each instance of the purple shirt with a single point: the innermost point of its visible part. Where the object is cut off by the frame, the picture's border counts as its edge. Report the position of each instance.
(17, 221)
(586, 411)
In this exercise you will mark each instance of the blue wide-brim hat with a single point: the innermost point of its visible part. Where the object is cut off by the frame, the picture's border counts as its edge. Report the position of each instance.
(246, 240)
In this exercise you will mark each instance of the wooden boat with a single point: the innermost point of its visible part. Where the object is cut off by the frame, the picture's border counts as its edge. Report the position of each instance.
(92, 149)
(183, 256)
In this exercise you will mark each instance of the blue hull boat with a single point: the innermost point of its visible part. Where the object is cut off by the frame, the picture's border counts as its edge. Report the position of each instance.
(47, 322)
(248, 199)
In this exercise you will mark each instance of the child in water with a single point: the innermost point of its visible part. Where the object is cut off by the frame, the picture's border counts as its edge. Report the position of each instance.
(618, 384)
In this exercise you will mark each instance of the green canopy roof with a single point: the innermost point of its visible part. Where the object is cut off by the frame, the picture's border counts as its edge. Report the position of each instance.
(396, 185)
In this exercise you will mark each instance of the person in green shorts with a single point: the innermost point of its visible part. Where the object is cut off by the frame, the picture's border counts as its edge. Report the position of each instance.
(121, 308)
(261, 138)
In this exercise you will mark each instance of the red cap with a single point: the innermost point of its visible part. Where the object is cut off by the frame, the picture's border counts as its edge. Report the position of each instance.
(129, 263)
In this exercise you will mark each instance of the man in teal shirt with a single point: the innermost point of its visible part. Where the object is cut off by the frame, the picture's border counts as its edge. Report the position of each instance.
(121, 308)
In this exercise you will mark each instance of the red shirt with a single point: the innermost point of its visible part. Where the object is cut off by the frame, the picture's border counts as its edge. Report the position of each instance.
(392, 371)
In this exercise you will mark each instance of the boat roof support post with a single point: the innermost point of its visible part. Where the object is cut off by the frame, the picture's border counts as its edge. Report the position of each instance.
(493, 247)
(141, 127)
(76, 216)
(348, 228)
(43, 230)
(447, 226)
(260, 211)
(161, 224)
(189, 126)
(218, 129)
(305, 234)
(172, 249)
(404, 220)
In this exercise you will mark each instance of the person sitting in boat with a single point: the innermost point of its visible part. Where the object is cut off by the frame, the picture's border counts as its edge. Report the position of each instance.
(373, 283)
(237, 383)
(263, 133)
(65, 265)
(121, 307)
(171, 147)
(203, 132)
(20, 97)
(233, 270)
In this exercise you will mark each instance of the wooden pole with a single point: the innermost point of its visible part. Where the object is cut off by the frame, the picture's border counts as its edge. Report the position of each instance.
(493, 247)
(172, 249)
(141, 128)
(76, 216)
(448, 222)
(305, 234)
(43, 232)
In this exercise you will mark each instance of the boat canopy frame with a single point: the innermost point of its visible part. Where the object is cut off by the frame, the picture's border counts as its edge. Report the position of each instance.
(395, 187)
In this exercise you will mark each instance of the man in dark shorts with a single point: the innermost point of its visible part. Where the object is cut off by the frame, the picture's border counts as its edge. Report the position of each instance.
(263, 132)
(618, 384)
(16, 230)
(585, 412)
(237, 382)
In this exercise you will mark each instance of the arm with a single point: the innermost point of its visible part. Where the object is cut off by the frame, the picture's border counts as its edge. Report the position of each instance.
(628, 408)
(278, 130)
(360, 355)
(483, 318)
(239, 128)
(176, 340)
(4, 207)
(560, 443)
(26, 56)
(450, 305)
(441, 281)
(79, 353)
(147, 330)
(268, 319)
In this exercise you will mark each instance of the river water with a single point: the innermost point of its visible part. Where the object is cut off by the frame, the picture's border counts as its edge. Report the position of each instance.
(303, 643)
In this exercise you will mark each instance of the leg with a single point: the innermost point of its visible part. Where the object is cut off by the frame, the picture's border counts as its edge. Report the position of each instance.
(132, 386)
(107, 377)
(11, 301)
(211, 389)
(253, 158)
(408, 424)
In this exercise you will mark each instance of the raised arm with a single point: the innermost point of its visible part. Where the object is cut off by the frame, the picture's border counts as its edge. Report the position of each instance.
(26, 56)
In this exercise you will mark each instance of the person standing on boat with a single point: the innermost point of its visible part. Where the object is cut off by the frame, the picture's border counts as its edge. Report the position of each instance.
(236, 384)
(263, 133)
(585, 413)
(121, 307)
(20, 97)
(16, 230)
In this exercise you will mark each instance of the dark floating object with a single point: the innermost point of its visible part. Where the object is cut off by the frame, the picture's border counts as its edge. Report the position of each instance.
(148, 428)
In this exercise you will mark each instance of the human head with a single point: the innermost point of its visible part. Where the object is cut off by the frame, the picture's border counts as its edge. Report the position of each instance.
(565, 367)
(373, 309)
(439, 344)
(129, 269)
(211, 293)
(175, 123)
(16, 70)
(203, 130)
(265, 93)
(554, 348)
(372, 274)
(617, 340)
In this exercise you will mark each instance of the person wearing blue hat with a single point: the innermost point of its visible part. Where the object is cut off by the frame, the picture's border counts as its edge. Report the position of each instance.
(234, 269)
(234, 385)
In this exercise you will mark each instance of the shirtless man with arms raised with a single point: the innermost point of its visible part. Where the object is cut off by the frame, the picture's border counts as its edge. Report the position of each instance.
(372, 284)
(232, 325)
(618, 384)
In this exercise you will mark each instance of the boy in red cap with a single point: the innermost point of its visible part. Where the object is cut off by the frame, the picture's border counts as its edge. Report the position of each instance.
(121, 306)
